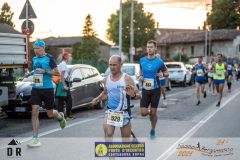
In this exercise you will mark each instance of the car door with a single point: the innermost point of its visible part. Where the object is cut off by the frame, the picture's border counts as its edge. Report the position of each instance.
(87, 84)
(77, 87)
(188, 74)
(97, 83)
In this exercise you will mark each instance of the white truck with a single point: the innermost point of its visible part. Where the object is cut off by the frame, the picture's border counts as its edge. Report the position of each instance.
(13, 55)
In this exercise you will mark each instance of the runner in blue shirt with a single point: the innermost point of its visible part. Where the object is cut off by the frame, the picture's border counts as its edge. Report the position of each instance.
(200, 69)
(152, 68)
(44, 67)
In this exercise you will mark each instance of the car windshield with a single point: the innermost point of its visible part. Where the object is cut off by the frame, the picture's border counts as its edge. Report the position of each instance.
(130, 70)
(28, 79)
(173, 65)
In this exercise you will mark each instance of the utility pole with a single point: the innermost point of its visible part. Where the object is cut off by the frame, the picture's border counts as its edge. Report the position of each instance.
(120, 30)
(132, 33)
(206, 49)
(27, 15)
(206, 41)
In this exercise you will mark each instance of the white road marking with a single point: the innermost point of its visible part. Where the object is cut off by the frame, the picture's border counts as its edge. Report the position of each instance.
(185, 137)
(56, 130)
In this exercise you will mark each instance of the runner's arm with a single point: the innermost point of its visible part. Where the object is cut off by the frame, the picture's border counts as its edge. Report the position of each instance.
(53, 66)
(226, 67)
(165, 73)
(194, 68)
(141, 74)
(63, 79)
(131, 88)
(206, 68)
(102, 96)
(162, 72)
(53, 72)
(213, 68)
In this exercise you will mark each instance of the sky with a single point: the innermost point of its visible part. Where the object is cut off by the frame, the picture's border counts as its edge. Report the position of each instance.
(60, 18)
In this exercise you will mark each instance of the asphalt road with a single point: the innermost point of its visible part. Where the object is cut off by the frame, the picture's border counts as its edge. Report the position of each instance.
(182, 123)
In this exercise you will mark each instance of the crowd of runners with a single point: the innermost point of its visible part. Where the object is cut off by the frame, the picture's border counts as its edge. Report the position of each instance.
(119, 88)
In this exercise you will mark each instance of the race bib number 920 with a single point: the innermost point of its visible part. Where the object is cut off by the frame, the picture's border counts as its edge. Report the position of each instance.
(115, 118)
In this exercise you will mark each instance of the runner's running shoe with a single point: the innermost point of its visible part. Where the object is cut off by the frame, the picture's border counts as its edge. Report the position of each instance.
(62, 123)
(34, 142)
(152, 134)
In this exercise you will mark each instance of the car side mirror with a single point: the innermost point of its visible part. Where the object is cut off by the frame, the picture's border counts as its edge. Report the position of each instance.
(76, 80)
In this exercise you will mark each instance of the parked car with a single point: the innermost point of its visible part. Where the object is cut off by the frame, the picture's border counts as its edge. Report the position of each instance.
(190, 68)
(178, 73)
(132, 69)
(86, 85)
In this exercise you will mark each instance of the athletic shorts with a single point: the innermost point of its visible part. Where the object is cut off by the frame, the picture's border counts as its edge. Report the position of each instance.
(217, 82)
(210, 77)
(150, 97)
(126, 120)
(162, 82)
(200, 81)
(42, 95)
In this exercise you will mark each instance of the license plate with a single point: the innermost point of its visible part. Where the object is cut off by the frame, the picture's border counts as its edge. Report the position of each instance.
(20, 109)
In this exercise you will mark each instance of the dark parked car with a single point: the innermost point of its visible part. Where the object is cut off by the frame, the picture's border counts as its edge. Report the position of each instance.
(86, 85)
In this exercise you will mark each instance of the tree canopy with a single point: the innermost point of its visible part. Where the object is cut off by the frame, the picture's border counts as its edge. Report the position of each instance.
(225, 14)
(144, 26)
(87, 50)
(6, 15)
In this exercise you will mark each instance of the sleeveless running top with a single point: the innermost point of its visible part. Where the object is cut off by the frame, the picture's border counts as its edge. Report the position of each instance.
(117, 99)
(200, 72)
(219, 73)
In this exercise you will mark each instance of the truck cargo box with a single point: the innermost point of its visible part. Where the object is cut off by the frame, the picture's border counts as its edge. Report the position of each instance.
(13, 50)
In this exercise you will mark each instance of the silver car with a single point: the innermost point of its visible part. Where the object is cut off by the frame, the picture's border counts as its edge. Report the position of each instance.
(178, 73)
(132, 69)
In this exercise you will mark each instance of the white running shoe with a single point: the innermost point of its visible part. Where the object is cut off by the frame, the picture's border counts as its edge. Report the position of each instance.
(34, 142)
(164, 103)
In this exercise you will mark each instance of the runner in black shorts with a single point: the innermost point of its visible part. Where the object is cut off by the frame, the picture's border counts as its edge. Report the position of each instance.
(44, 67)
(152, 68)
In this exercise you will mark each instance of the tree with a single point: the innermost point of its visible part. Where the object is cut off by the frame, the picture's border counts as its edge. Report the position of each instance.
(144, 26)
(225, 14)
(181, 58)
(87, 50)
(6, 15)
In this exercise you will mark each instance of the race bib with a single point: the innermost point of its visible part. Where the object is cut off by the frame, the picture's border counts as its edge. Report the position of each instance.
(229, 67)
(148, 83)
(115, 118)
(200, 72)
(162, 78)
(38, 79)
(219, 74)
